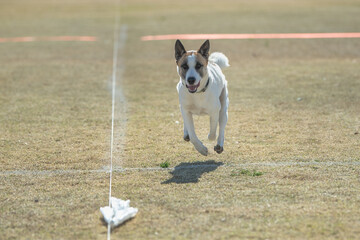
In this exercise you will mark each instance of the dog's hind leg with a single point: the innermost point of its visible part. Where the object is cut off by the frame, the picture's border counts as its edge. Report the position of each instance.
(189, 123)
(224, 100)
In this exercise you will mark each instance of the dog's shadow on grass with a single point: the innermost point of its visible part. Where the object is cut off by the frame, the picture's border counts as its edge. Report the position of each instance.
(190, 172)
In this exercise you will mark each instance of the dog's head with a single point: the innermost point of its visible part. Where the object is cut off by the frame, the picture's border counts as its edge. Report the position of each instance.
(192, 65)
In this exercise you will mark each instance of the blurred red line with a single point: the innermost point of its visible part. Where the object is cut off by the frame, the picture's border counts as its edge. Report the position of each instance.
(250, 36)
(54, 39)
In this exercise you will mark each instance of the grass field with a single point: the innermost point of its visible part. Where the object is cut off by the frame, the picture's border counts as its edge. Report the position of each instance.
(291, 162)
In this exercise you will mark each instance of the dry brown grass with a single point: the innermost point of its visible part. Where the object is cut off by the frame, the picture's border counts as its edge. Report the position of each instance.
(290, 101)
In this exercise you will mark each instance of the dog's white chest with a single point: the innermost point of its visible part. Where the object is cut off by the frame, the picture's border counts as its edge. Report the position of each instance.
(197, 110)
(198, 105)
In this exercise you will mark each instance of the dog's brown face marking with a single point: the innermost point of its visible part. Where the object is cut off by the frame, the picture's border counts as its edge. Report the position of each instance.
(185, 64)
(201, 64)
(192, 60)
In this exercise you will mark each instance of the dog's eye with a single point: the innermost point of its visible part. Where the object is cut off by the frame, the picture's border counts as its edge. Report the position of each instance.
(198, 66)
(185, 66)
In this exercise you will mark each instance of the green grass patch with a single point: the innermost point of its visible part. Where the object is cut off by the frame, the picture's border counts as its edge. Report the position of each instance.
(246, 172)
(165, 164)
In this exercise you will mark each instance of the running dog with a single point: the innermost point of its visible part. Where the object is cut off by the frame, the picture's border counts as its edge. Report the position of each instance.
(202, 90)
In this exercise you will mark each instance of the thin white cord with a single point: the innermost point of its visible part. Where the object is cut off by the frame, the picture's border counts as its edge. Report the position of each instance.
(115, 54)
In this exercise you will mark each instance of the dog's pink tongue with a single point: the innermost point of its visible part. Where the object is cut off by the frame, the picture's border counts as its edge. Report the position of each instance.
(192, 88)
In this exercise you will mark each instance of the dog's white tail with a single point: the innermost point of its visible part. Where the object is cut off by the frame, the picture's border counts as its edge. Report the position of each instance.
(220, 59)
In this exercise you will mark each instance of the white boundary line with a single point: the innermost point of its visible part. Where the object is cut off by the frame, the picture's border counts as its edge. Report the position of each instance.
(157, 169)
(119, 43)
(115, 54)
(121, 107)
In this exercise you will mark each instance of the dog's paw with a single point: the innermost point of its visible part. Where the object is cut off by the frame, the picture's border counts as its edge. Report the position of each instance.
(218, 149)
(187, 138)
(202, 150)
(212, 137)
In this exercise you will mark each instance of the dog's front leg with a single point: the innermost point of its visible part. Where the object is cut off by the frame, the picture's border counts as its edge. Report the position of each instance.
(186, 133)
(214, 120)
(224, 100)
(189, 125)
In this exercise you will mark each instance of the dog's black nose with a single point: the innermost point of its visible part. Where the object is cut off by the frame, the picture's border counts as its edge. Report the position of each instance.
(191, 80)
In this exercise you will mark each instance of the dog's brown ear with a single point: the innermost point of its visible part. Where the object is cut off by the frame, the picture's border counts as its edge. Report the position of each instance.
(204, 49)
(179, 50)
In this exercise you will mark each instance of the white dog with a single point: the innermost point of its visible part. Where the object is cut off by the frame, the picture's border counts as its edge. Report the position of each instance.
(202, 90)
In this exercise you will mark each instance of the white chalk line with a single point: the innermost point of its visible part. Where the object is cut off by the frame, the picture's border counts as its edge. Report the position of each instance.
(119, 44)
(155, 169)
(114, 68)
(117, 94)
(120, 100)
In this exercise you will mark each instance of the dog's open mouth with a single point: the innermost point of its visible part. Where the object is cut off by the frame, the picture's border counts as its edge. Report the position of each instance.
(193, 88)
